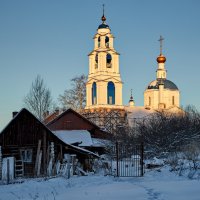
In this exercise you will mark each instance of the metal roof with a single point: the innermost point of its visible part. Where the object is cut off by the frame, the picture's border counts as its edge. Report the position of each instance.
(103, 26)
(167, 84)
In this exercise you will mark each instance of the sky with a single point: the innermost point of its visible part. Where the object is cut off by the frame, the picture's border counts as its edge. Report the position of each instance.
(53, 38)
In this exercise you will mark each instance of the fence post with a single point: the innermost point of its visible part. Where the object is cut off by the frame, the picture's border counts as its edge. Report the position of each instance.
(117, 157)
(142, 159)
(37, 157)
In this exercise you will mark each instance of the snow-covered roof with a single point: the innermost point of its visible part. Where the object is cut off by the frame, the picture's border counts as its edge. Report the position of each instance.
(75, 136)
(135, 114)
(70, 137)
(139, 111)
(84, 150)
(80, 136)
(100, 142)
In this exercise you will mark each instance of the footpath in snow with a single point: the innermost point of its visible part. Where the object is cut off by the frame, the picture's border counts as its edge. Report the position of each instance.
(154, 185)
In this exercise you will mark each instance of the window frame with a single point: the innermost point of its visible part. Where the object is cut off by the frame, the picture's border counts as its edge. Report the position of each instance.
(26, 155)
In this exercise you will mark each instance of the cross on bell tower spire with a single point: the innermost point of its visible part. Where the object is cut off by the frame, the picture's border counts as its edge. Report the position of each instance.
(103, 18)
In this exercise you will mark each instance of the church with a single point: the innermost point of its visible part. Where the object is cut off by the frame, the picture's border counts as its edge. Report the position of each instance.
(104, 85)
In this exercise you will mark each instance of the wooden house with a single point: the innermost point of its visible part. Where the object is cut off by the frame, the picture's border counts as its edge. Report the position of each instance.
(71, 120)
(30, 142)
(70, 124)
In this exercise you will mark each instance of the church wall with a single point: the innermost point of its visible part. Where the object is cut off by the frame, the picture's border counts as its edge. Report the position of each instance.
(168, 94)
(89, 94)
(102, 93)
(153, 94)
(111, 43)
(118, 90)
(166, 98)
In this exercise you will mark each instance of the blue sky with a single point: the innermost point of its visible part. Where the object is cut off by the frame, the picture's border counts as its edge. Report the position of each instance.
(53, 38)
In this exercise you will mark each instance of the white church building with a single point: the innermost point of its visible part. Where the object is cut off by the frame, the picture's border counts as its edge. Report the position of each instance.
(161, 93)
(104, 85)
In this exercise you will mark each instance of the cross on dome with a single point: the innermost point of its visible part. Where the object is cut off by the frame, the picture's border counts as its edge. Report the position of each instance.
(161, 43)
(161, 58)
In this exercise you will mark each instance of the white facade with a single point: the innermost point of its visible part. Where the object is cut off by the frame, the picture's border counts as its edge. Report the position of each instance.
(161, 93)
(104, 85)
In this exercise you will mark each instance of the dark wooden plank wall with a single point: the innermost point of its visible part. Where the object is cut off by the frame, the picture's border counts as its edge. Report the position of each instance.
(71, 121)
(24, 133)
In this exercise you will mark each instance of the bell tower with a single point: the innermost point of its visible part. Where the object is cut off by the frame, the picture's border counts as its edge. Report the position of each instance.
(104, 85)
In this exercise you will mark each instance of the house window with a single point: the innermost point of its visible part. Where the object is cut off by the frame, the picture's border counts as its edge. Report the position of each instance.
(163, 74)
(111, 93)
(26, 155)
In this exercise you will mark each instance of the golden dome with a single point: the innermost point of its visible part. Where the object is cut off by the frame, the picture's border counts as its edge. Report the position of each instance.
(161, 59)
(103, 18)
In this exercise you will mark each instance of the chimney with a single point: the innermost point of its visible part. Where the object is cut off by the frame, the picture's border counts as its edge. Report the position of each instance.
(46, 114)
(56, 111)
(14, 113)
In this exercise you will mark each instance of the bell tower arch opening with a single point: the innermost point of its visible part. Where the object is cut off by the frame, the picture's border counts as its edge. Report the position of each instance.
(111, 93)
(108, 61)
(94, 93)
(107, 41)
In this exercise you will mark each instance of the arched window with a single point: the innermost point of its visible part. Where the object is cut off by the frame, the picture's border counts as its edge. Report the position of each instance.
(111, 93)
(96, 61)
(94, 93)
(163, 74)
(99, 41)
(107, 41)
(173, 100)
(149, 101)
(108, 60)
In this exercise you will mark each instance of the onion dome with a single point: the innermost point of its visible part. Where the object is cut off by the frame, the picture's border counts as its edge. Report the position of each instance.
(103, 18)
(161, 58)
(167, 84)
(131, 99)
(103, 26)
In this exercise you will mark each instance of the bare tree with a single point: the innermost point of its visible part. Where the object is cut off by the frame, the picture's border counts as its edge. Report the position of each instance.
(76, 96)
(39, 99)
(168, 133)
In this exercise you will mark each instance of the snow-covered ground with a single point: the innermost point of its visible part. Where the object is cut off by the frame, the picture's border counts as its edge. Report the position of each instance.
(154, 185)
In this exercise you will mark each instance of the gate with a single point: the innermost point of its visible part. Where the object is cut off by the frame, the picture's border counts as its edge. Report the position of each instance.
(127, 160)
